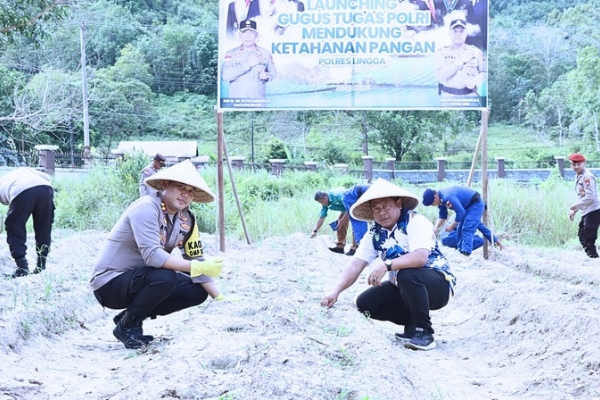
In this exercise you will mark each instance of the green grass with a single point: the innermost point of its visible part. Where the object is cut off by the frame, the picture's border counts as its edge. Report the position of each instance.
(532, 214)
(521, 147)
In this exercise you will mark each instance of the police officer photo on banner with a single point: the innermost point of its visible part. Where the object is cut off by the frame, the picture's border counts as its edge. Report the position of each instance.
(460, 68)
(371, 55)
(247, 69)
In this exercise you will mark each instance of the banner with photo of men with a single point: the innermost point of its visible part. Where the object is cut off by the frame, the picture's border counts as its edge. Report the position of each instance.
(353, 54)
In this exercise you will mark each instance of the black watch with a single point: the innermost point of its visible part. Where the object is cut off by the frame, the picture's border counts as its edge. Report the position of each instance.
(388, 264)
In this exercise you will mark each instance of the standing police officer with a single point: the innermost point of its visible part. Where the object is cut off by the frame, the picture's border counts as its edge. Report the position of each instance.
(460, 68)
(588, 203)
(248, 67)
(157, 163)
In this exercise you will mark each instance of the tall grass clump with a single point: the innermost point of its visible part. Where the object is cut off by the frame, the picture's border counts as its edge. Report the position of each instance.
(281, 205)
(533, 214)
(98, 200)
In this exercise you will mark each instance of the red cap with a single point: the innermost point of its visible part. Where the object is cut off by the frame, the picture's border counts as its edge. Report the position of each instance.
(577, 157)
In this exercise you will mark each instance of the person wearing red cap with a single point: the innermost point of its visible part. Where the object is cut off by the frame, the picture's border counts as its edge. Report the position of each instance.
(588, 203)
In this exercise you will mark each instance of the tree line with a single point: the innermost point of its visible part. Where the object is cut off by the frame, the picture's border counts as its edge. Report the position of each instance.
(152, 74)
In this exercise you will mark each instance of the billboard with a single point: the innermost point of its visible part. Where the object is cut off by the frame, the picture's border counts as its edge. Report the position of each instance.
(352, 54)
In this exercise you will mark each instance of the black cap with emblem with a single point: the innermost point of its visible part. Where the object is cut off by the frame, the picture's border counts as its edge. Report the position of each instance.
(248, 24)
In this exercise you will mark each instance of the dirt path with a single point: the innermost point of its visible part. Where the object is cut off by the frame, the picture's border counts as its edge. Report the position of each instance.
(523, 325)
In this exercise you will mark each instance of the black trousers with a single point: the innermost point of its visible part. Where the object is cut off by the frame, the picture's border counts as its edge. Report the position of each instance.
(38, 202)
(419, 290)
(148, 292)
(588, 232)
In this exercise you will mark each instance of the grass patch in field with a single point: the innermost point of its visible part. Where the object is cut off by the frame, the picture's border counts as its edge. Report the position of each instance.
(529, 214)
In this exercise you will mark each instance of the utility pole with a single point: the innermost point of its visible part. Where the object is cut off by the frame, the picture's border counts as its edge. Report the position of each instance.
(252, 140)
(86, 122)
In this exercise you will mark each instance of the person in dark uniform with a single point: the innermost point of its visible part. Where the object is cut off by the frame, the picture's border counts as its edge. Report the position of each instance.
(248, 67)
(241, 10)
(460, 68)
(479, 16)
(157, 163)
(359, 228)
(450, 239)
(27, 192)
(439, 9)
(588, 203)
(468, 206)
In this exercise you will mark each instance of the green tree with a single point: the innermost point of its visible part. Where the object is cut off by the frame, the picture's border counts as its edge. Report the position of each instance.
(11, 82)
(276, 150)
(584, 94)
(414, 133)
(29, 18)
(182, 58)
(548, 113)
(120, 98)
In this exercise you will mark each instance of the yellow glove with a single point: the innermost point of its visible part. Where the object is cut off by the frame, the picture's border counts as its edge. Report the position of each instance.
(210, 268)
(220, 297)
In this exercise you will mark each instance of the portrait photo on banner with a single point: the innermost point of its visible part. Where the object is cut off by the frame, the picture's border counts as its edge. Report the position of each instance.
(353, 54)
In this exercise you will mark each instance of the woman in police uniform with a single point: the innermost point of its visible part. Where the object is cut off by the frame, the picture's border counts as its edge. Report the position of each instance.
(136, 269)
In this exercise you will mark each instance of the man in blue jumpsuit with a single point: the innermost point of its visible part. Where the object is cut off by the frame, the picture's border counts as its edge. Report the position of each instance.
(468, 206)
(359, 228)
(450, 239)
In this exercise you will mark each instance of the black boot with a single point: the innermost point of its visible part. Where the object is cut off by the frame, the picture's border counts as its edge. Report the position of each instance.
(41, 264)
(42, 254)
(22, 268)
(129, 331)
(144, 338)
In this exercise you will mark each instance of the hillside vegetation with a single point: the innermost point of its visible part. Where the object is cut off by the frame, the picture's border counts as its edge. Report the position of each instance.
(151, 70)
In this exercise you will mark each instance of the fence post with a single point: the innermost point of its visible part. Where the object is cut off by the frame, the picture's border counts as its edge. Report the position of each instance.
(441, 164)
(560, 160)
(341, 168)
(501, 171)
(368, 167)
(237, 161)
(199, 161)
(277, 166)
(47, 157)
(311, 165)
(391, 165)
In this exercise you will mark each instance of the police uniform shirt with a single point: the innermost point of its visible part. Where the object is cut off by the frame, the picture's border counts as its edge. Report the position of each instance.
(146, 236)
(244, 80)
(147, 172)
(587, 193)
(455, 75)
(20, 179)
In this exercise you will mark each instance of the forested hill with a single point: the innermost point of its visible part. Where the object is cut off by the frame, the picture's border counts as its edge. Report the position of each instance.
(152, 73)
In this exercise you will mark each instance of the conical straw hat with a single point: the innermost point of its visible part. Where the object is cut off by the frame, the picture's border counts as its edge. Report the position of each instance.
(183, 172)
(361, 210)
